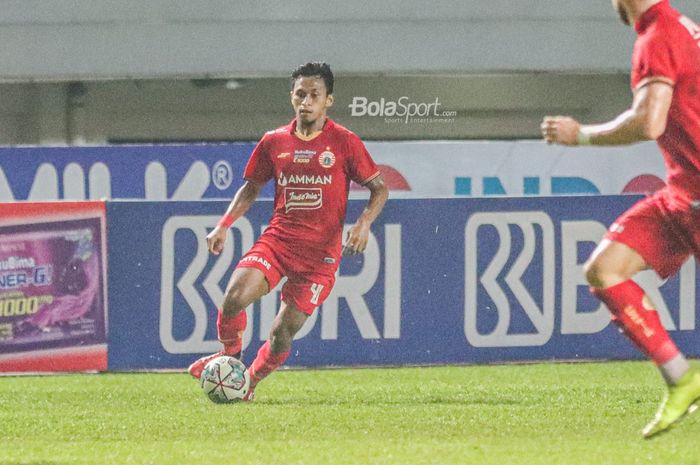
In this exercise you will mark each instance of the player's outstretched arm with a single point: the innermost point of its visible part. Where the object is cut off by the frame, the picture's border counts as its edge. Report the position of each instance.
(358, 234)
(646, 120)
(244, 198)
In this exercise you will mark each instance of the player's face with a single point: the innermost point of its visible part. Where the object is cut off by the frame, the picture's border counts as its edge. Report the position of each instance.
(310, 99)
(622, 11)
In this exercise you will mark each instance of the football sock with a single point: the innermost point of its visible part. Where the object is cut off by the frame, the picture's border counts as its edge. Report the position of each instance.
(638, 321)
(230, 331)
(674, 369)
(265, 363)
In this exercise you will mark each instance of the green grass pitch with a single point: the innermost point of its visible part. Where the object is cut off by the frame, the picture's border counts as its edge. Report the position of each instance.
(559, 414)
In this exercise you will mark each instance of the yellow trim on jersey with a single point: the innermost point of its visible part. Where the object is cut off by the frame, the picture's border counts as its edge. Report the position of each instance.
(650, 79)
(311, 136)
(370, 178)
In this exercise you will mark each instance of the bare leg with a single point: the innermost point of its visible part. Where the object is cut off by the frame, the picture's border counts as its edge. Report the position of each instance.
(288, 322)
(612, 263)
(245, 287)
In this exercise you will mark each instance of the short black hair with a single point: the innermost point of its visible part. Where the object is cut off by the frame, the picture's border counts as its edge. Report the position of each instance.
(315, 68)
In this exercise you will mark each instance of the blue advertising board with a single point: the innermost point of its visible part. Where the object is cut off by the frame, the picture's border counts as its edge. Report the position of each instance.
(153, 172)
(442, 281)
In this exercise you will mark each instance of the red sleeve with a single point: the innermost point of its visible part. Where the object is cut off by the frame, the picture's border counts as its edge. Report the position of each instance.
(259, 168)
(654, 59)
(361, 167)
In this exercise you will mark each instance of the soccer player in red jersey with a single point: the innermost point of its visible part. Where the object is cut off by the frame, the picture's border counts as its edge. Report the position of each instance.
(312, 161)
(661, 231)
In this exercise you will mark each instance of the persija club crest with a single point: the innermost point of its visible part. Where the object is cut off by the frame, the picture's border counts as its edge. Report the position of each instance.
(327, 158)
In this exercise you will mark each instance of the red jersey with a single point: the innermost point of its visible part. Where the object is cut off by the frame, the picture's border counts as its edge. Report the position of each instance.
(312, 181)
(668, 50)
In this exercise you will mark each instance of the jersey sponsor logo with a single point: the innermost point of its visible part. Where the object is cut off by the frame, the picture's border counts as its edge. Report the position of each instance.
(304, 179)
(327, 158)
(303, 156)
(283, 155)
(299, 198)
(256, 259)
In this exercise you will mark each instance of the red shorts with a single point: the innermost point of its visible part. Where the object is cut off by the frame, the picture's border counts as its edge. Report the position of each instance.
(664, 229)
(307, 286)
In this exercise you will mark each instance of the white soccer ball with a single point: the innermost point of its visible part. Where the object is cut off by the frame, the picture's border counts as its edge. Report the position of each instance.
(225, 379)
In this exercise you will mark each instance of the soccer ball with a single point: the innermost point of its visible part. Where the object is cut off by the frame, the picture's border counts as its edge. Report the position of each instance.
(225, 379)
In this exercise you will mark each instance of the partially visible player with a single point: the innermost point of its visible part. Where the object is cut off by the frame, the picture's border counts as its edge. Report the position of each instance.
(312, 161)
(663, 230)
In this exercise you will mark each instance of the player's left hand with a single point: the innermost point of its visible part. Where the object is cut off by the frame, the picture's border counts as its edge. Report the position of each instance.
(560, 130)
(356, 240)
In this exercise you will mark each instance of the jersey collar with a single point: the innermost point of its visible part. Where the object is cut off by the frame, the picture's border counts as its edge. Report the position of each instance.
(293, 130)
(649, 16)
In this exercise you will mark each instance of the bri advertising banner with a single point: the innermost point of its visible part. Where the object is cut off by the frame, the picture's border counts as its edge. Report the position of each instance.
(52, 287)
(442, 281)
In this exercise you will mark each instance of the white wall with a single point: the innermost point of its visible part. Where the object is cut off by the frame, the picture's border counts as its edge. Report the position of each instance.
(94, 39)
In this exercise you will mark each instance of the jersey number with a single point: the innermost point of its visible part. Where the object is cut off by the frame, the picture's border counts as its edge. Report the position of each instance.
(693, 28)
(316, 292)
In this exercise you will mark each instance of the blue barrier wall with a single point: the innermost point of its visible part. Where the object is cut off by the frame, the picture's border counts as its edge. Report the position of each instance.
(442, 281)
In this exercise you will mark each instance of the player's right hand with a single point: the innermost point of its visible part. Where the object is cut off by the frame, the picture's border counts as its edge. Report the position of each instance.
(560, 130)
(216, 240)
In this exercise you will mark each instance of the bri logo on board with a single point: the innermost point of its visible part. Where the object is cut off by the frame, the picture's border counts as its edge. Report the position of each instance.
(523, 279)
(189, 289)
